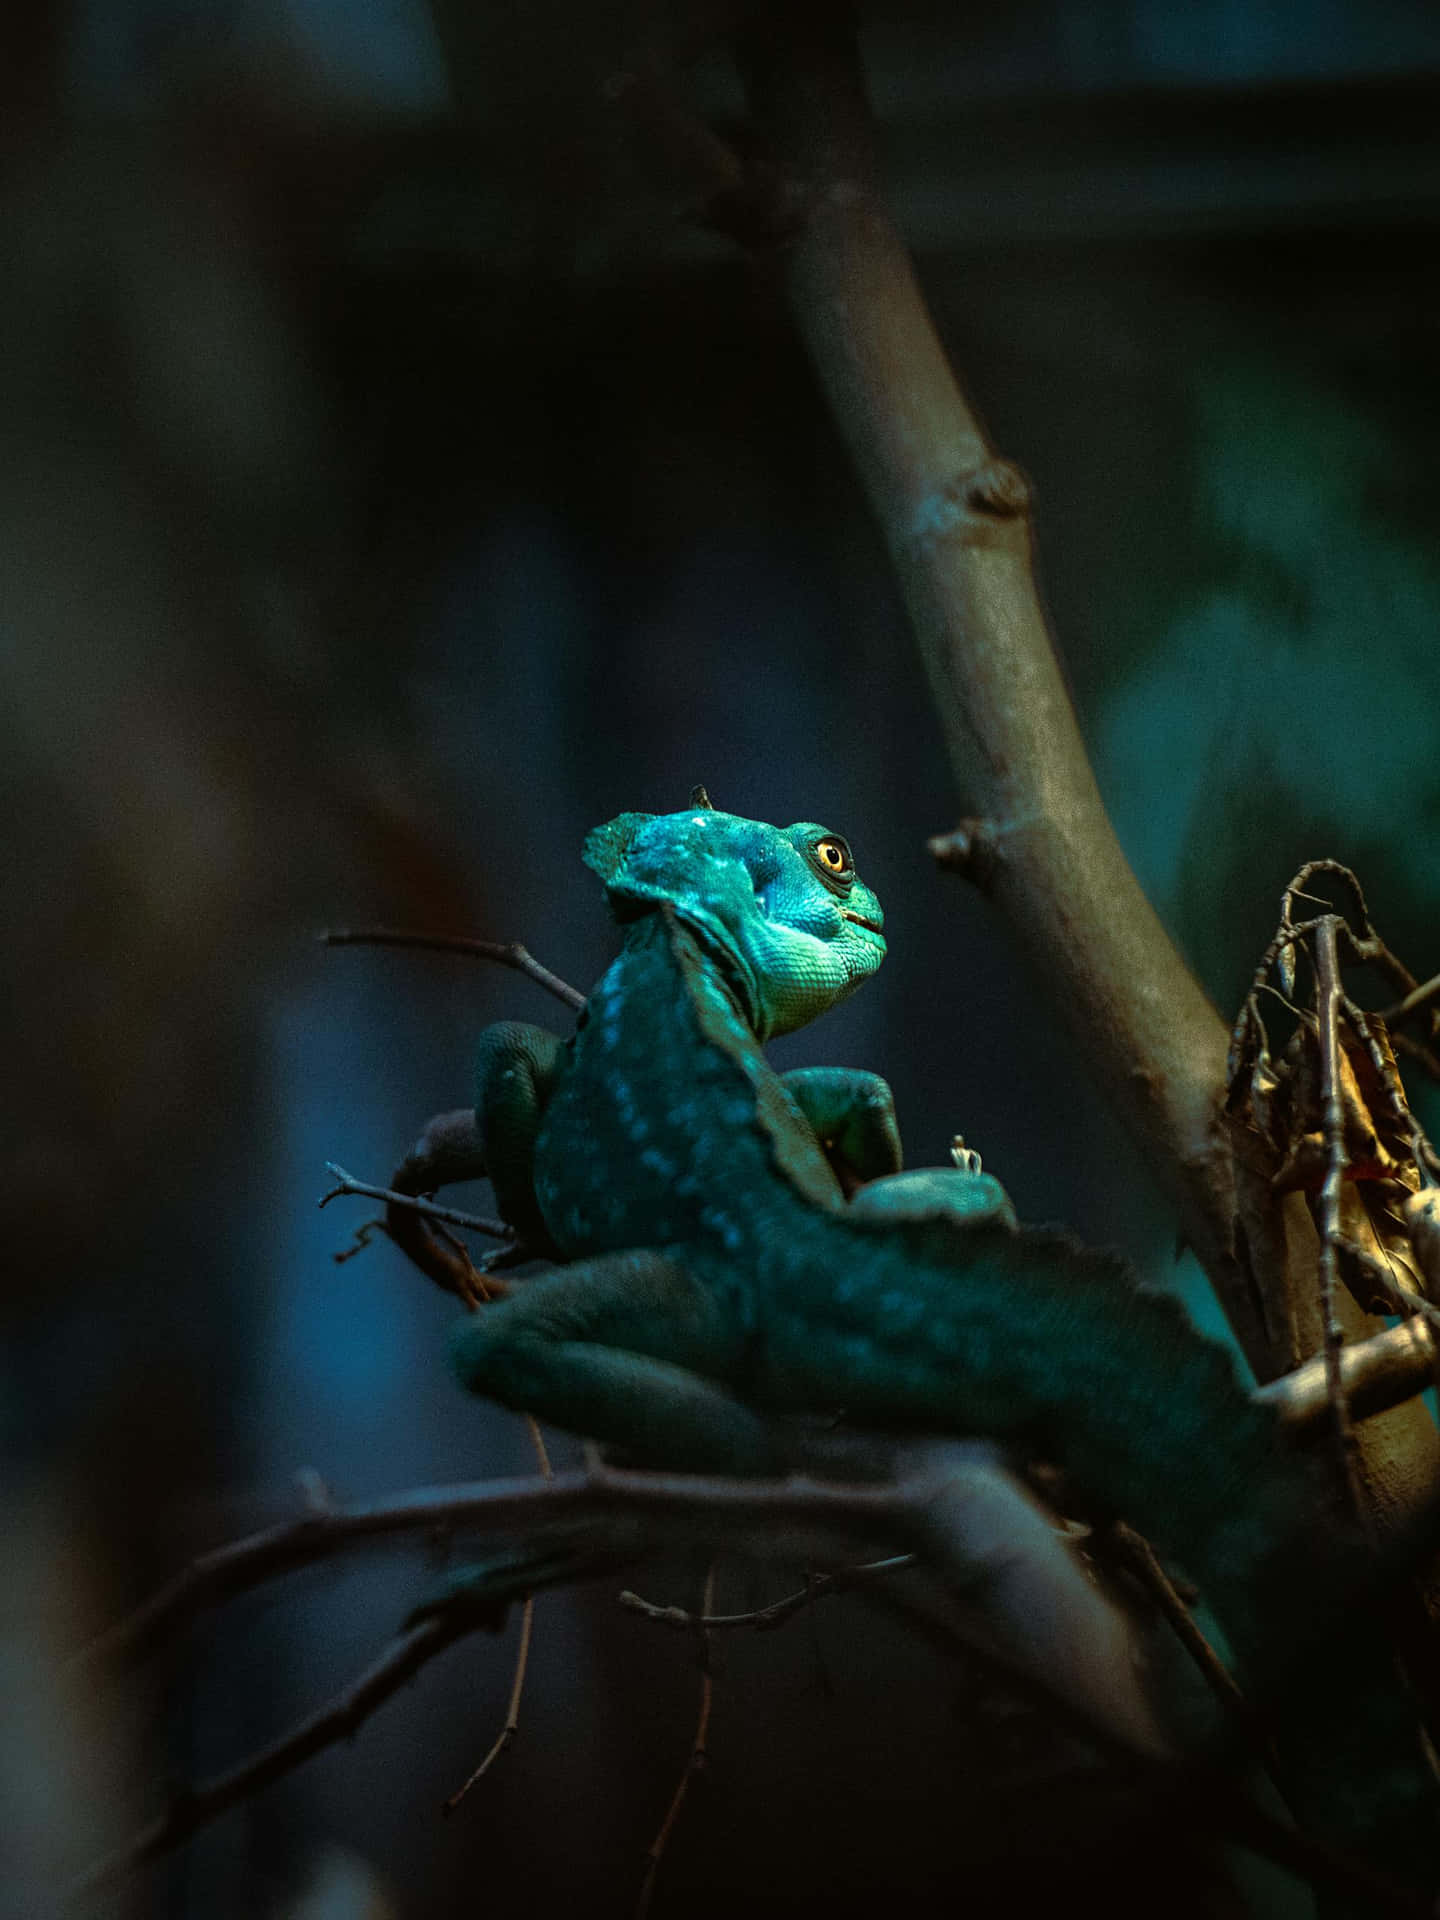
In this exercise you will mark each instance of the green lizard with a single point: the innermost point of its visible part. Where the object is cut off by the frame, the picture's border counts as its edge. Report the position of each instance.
(717, 1274)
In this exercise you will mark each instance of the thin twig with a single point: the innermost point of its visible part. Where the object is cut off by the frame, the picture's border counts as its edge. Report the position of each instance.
(196, 1807)
(1296, 891)
(1143, 1561)
(480, 1291)
(763, 1619)
(1418, 998)
(1328, 998)
(695, 1760)
(505, 953)
(346, 1183)
(1423, 1056)
(506, 1736)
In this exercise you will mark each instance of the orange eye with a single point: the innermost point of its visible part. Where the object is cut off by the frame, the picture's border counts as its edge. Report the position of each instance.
(833, 855)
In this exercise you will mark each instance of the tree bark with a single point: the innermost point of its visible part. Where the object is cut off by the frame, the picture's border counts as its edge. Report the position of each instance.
(956, 519)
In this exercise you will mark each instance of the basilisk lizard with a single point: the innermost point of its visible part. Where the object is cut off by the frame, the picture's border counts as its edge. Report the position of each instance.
(717, 1273)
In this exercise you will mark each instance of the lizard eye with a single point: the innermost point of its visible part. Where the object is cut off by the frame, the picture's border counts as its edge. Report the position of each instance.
(833, 857)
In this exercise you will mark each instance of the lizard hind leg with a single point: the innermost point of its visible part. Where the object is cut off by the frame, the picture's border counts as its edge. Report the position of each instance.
(628, 1348)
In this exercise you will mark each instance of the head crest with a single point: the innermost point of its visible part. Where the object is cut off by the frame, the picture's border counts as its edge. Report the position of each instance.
(606, 847)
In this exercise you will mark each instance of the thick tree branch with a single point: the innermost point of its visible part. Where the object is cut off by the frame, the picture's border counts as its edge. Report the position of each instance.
(956, 520)
(991, 1598)
(526, 1507)
(1029, 1603)
(1375, 1375)
(1192, 1798)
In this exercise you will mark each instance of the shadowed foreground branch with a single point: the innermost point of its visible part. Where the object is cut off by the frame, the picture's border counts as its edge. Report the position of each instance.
(978, 1533)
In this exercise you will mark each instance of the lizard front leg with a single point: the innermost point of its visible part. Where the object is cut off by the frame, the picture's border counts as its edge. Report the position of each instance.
(516, 1071)
(627, 1347)
(852, 1115)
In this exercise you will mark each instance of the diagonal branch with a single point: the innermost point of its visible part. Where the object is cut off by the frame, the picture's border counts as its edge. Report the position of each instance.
(956, 519)
(346, 1183)
(1375, 1374)
(506, 953)
(604, 1495)
(1027, 1600)
(196, 1807)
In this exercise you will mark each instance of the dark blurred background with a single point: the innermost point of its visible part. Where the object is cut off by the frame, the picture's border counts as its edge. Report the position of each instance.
(392, 487)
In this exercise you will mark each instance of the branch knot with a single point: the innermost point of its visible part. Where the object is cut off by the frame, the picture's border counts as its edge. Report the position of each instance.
(997, 487)
(971, 849)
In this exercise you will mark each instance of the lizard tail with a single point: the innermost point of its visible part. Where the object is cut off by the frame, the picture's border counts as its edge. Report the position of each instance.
(1032, 1339)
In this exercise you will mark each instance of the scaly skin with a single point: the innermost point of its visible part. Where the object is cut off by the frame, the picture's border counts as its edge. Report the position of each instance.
(719, 1276)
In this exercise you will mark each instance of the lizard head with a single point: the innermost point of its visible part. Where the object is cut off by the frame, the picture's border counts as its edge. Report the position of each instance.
(781, 909)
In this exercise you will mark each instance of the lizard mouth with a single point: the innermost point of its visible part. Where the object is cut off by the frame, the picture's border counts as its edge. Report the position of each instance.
(872, 926)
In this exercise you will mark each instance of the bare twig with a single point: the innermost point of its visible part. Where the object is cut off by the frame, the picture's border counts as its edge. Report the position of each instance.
(505, 953)
(346, 1183)
(696, 1758)
(763, 1619)
(1328, 996)
(1414, 1002)
(1137, 1553)
(506, 1736)
(1298, 890)
(196, 1807)
(1424, 1057)
(481, 1291)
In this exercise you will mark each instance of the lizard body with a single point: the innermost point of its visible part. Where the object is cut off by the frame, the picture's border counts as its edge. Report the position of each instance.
(718, 1275)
